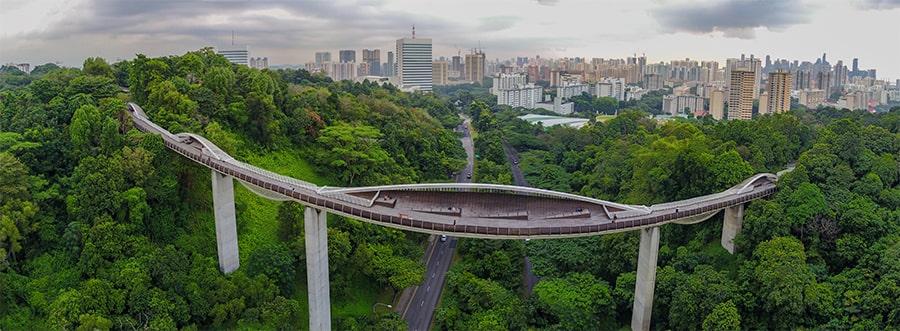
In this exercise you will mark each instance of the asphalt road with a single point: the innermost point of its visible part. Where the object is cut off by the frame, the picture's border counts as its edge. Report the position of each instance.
(512, 157)
(420, 310)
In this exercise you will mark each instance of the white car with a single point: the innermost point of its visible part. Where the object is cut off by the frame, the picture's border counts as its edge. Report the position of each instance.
(443, 237)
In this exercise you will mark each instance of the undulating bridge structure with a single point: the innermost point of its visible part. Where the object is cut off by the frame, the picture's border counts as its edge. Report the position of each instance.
(456, 209)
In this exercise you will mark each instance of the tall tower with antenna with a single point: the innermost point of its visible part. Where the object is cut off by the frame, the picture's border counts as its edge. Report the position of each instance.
(414, 63)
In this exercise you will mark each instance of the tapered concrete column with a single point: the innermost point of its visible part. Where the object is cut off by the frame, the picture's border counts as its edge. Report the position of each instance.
(317, 269)
(226, 226)
(646, 279)
(731, 226)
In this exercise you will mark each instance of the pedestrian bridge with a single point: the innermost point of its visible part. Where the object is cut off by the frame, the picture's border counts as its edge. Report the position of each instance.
(456, 209)
(463, 209)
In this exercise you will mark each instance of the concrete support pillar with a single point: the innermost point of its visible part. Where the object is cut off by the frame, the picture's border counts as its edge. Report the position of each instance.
(731, 226)
(226, 225)
(317, 269)
(646, 279)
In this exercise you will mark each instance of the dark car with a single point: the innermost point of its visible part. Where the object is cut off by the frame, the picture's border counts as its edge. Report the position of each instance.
(469, 175)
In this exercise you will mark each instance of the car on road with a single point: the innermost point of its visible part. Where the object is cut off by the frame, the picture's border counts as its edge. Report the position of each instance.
(443, 237)
(469, 175)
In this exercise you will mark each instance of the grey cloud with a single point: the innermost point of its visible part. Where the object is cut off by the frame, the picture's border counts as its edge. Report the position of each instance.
(548, 2)
(315, 25)
(498, 23)
(879, 4)
(734, 18)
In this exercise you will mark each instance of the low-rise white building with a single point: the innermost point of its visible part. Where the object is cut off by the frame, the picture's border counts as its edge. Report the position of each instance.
(674, 105)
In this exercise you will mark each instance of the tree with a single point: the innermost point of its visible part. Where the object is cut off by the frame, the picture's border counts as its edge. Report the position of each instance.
(16, 208)
(84, 130)
(578, 302)
(355, 153)
(277, 263)
(724, 317)
(97, 66)
(786, 288)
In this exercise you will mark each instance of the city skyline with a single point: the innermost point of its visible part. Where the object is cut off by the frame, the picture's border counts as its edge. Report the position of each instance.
(290, 33)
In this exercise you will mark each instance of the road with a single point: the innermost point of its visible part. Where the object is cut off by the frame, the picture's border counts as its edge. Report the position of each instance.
(419, 311)
(513, 158)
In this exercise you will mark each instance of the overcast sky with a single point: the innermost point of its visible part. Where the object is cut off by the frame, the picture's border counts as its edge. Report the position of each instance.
(291, 31)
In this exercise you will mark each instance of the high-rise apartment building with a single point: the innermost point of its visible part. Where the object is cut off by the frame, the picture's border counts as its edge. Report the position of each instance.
(779, 88)
(259, 63)
(322, 58)
(717, 104)
(439, 71)
(763, 103)
(824, 82)
(347, 56)
(527, 96)
(391, 67)
(508, 81)
(457, 66)
(373, 58)
(752, 64)
(475, 67)
(414, 63)
(740, 94)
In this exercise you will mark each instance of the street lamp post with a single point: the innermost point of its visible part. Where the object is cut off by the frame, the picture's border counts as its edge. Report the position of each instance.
(379, 303)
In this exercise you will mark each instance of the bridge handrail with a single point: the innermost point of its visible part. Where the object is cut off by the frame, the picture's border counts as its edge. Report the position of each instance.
(742, 187)
(480, 187)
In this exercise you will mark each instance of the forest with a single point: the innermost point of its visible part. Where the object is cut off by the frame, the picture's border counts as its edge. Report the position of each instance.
(103, 228)
(823, 253)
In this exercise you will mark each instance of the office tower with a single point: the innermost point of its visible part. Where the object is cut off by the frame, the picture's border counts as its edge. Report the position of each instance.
(779, 88)
(322, 58)
(475, 67)
(347, 56)
(439, 71)
(414, 63)
(768, 62)
(391, 67)
(855, 66)
(373, 58)
(717, 104)
(841, 75)
(740, 94)
(237, 56)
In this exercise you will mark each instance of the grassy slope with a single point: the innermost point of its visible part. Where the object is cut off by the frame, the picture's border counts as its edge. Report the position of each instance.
(258, 226)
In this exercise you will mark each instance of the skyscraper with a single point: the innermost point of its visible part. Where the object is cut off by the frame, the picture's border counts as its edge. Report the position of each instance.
(414, 63)
(347, 56)
(779, 91)
(373, 58)
(740, 94)
(475, 67)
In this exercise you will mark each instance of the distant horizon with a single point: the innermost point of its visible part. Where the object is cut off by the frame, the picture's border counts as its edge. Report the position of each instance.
(289, 33)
